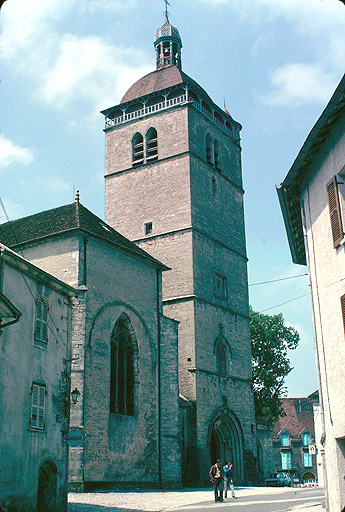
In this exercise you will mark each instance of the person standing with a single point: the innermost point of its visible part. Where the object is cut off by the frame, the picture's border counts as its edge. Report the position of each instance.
(216, 478)
(229, 480)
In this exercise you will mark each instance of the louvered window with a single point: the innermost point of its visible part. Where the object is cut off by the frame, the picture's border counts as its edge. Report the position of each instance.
(151, 145)
(38, 398)
(342, 303)
(41, 321)
(138, 149)
(208, 149)
(334, 211)
(216, 154)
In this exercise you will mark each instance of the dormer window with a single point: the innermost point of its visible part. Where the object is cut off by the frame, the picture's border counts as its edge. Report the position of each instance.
(285, 439)
(306, 439)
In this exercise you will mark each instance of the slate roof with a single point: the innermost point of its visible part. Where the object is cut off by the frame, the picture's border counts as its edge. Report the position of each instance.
(159, 80)
(299, 415)
(66, 219)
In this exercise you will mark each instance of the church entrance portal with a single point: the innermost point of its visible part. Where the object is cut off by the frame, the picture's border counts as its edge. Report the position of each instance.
(47, 482)
(226, 443)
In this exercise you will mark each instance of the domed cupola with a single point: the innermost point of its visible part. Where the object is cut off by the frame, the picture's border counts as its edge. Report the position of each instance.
(168, 46)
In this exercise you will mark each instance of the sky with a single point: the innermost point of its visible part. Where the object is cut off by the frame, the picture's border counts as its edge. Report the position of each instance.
(275, 63)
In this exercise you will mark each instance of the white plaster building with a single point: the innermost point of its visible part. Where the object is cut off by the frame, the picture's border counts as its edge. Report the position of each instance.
(312, 199)
(35, 355)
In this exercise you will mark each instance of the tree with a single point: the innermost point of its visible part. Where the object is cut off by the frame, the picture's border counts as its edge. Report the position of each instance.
(271, 340)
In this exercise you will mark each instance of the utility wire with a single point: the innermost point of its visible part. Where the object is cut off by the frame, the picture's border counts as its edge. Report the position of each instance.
(276, 280)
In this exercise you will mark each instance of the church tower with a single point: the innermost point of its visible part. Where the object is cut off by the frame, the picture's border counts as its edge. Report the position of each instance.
(173, 185)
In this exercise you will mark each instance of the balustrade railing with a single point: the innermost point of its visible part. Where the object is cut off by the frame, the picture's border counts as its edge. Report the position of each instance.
(163, 105)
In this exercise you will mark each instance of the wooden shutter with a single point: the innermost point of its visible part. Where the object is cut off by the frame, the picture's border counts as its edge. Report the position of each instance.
(37, 406)
(342, 302)
(334, 211)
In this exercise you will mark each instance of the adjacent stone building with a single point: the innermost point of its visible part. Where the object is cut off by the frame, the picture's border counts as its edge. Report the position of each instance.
(173, 185)
(35, 358)
(124, 351)
(312, 199)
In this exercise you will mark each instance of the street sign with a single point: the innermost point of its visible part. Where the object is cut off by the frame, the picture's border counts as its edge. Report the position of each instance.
(312, 449)
(74, 438)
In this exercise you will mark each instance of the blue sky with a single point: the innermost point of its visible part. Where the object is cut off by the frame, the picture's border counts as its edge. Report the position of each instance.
(275, 62)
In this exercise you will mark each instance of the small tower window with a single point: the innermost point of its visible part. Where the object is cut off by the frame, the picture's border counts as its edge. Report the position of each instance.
(138, 149)
(216, 154)
(151, 145)
(208, 149)
(148, 228)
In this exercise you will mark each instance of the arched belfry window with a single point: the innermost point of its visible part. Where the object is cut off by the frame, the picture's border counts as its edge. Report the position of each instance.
(221, 358)
(122, 369)
(208, 149)
(138, 149)
(151, 145)
(216, 154)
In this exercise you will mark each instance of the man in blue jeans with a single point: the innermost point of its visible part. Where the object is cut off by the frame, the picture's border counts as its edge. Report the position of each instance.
(229, 480)
(216, 478)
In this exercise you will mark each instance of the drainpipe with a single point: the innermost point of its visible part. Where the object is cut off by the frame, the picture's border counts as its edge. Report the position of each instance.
(158, 271)
(2, 256)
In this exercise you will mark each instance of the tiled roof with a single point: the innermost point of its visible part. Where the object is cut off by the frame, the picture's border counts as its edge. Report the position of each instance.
(158, 81)
(65, 219)
(299, 415)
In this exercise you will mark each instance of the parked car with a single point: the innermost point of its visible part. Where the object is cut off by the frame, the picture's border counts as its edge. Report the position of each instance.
(278, 480)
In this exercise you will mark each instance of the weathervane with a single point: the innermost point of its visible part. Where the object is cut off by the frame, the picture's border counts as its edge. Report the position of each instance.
(166, 8)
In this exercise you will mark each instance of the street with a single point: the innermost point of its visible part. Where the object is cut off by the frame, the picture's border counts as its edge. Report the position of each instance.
(249, 499)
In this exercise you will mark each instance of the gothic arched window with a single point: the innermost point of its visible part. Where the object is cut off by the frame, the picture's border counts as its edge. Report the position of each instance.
(221, 359)
(138, 149)
(151, 145)
(121, 370)
(208, 149)
(216, 154)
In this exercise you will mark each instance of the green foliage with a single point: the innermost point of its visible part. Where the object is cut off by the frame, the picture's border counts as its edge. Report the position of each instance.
(271, 341)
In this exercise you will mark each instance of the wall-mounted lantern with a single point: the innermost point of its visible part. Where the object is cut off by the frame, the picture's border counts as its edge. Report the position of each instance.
(75, 394)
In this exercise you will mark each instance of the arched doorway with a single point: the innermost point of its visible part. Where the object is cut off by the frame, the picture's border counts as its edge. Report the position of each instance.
(47, 486)
(225, 442)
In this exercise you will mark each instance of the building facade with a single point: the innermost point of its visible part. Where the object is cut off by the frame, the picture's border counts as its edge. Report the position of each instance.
(293, 437)
(312, 202)
(35, 347)
(124, 351)
(173, 185)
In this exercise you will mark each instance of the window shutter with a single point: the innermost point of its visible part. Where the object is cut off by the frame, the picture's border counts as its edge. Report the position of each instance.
(38, 320)
(37, 406)
(334, 211)
(342, 303)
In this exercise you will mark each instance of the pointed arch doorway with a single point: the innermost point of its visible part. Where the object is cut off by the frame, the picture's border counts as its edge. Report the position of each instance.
(226, 442)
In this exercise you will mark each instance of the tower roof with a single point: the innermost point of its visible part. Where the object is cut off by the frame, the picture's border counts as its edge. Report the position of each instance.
(167, 31)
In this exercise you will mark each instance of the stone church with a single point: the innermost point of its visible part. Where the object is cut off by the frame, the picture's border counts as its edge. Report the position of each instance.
(157, 407)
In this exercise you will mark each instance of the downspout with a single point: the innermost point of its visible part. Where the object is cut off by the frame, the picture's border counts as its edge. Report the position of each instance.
(323, 435)
(158, 271)
(2, 256)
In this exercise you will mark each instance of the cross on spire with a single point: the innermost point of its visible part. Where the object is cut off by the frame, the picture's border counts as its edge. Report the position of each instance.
(166, 8)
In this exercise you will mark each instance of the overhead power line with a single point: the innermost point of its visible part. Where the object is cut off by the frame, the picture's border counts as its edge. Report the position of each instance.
(276, 280)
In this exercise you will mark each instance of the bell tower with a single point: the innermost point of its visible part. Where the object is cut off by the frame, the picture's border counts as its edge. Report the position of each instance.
(173, 185)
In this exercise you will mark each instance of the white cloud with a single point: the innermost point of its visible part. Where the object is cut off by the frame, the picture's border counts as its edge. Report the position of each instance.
(63, 66)
(296, 83)
(90, 69)
(10, 153)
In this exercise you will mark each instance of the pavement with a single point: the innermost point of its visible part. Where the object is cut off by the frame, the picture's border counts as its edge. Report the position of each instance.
(193, 499)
